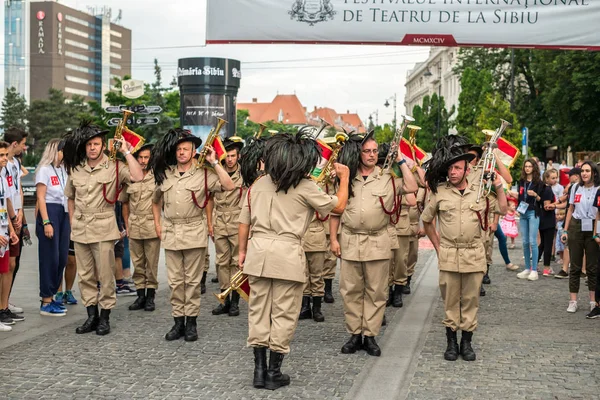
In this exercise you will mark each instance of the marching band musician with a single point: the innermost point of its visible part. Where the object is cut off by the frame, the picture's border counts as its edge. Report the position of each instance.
(365, 242)
(225, 229)
(459, 244)
(182, 188)
(92, 189)
(144, 244)
(276, 213)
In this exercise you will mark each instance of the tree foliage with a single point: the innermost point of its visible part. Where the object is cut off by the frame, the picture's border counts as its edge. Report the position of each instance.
(14, 110)
(426, 116)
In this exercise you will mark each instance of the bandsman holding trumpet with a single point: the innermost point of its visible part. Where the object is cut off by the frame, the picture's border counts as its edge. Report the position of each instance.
(365, 241)
(144, 244)
(92, 190)
(459, 243)
(182, 189)
(276, 213)
(225, 229)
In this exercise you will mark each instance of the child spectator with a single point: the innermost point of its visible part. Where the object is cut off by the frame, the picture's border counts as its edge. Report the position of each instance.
(509, 222)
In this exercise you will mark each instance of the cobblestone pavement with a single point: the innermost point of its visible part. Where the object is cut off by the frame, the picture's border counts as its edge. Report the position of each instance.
(43, 358)
(528, 346)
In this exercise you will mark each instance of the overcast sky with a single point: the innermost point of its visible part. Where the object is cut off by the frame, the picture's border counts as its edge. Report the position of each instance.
(340, 77)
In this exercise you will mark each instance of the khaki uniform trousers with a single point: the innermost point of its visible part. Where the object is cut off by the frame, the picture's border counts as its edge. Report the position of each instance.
(330, 263)
(364, 289)
(413, 255)
(273, 311)
(226, 259)
(184, 271)
(314, 286)
(489, 246)
(400, 272)
(144, 255)
(460, 293)
(206, 261)
(96, 263)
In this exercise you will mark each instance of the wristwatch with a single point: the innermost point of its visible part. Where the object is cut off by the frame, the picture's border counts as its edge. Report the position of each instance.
(127, 153)
(214, 164)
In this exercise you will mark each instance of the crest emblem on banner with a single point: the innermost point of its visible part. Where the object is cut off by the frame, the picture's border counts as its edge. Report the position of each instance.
(312, 11)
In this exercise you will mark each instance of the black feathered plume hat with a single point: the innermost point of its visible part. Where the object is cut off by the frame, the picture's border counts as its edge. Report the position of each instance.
(251, 156)
(448, 150)
(233, 142)
(75, 140)
(163, 154)
(350, 156)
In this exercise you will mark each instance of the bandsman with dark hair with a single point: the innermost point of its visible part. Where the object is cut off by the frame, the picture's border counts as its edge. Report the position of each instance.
(225, 228)
(92, 190)
(365, 240)
(459, 243)
(182, 190)
(276, 213)
(144, 244)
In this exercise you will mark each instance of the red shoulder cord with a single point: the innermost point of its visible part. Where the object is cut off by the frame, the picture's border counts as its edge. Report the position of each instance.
(395, 207)
(119, 189)
(203, 206)
(484, 225)
(398, 211)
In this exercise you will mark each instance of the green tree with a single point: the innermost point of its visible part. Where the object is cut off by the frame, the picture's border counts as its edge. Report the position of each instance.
(426, 116)
(475, 86)
(14, 110)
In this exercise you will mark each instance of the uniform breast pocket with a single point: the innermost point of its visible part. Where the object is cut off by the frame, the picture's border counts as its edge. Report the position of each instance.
(80, 188)
(165, 189)
(196, 187)
(477, 210)
(448, 213)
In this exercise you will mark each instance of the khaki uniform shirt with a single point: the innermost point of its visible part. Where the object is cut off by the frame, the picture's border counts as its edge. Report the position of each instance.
(94, 218)
(315, 238)
(139, 196)
(461, 245)
(228, 206)
(365, 235)
(278, 222)
(183, 223)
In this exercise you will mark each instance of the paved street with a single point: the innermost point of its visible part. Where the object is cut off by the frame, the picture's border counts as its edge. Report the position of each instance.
(527, 347)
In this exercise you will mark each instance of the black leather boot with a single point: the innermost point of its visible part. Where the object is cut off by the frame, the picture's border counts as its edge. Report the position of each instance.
(203, 283)
(104, 323)
(371, 346)
(260, 367)
(397, 301)
(328, 298)
(305, 311)
(482, 291)
(275, 379)
(178, 330)
(384, 321)
(466, 351)
(390, 298)
(486, 277)
(140, 302)
(353, 344)
(150, 294)
(316, 310)
(191, 334)
(234, 308)
(91, 323)
(215, 279)
(222, 308)
(407, 286)
(451, 353)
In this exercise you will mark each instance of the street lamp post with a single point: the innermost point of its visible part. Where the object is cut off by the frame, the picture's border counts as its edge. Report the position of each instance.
(387, 104)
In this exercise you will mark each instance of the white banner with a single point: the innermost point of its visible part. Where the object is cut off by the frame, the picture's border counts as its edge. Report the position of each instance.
(569, 24)
(132, 89)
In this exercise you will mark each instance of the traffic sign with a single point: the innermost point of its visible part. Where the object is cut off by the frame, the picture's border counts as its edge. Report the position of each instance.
(147, 121)
(140, 108)
(113, 121)
(115, 109)
(153, 110)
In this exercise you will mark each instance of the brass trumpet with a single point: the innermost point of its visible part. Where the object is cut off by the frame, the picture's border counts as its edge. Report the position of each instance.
(212, 136)
(260, 131)
(395, 144)
(488, 160)
(336, 145)
(412, 140)
(118, 135)
(237, 281)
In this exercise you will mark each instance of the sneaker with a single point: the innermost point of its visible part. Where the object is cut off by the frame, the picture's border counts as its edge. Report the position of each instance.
(60, 298)
(70, 299)
(51, 310)
(15, 309)
(533, 276)
(5, 328)
(59, 306)
(592, 305)
(524, 274)
(129, 282)
(548, 272)
(5, 318)
(572, 306)
(14, 317)
(511, 267)
(561, 275)
(125, 290)
(595, 313)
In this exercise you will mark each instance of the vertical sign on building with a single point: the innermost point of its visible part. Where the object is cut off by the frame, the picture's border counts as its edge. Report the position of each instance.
(40, 16)
(59, 16)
